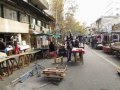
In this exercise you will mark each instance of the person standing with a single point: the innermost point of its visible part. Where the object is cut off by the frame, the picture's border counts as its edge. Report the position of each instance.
(84, 41)
(52, 50)
(76, 43)
(16, 48)
(69, 50)
(2, 46)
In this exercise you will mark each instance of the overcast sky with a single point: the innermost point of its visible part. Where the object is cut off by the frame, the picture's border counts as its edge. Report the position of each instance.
(89, 10)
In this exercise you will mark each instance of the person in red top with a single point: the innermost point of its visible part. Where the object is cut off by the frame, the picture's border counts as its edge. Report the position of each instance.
(16, 48)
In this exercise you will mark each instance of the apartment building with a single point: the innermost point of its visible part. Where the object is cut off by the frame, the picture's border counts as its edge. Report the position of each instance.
(105, 23)
(24, 19)
(112, 8)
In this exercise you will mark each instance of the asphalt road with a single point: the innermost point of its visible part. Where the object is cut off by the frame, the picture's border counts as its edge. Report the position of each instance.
(97, 73)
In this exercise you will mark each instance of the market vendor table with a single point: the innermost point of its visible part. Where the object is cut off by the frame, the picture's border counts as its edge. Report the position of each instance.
(9, 63)
(44, 52)
(106, 49)
(79, 51)
(24, 47)
(6, 66)
(25, 58)
(115, 50)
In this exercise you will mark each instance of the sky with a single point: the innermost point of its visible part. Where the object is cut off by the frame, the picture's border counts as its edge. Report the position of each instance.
(89, 10)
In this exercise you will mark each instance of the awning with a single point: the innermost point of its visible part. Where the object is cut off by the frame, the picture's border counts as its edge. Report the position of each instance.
(40, 34)
(57, 36)
(51, 35)
(116, 31)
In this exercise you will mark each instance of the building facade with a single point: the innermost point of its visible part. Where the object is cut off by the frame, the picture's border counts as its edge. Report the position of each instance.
(24, 19)
(105, 23)
(112, 8)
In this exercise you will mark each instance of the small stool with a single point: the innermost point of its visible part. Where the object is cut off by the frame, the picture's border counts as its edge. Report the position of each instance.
(58, 60)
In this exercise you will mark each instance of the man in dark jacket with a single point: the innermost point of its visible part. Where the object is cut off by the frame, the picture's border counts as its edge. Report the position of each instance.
(69, 50)
(52, 50)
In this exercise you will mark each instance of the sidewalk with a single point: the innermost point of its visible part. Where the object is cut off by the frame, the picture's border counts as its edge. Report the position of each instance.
(16, 74)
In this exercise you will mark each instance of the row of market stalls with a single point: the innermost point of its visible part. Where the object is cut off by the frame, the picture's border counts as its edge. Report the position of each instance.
(113, 47)
(23, 24)
(108, 42)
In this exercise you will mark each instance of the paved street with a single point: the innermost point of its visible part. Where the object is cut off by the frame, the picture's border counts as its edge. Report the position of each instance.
(95, 74)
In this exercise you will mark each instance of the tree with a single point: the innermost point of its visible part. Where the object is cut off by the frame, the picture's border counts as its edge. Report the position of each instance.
(70, 23)
(57, 9)
(65, 17)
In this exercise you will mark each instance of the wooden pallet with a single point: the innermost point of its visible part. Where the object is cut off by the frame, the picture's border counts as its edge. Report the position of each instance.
(54, 73)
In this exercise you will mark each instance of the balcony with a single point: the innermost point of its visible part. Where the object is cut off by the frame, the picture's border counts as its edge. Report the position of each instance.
(35, 29)
(11, 26)
(42, 4)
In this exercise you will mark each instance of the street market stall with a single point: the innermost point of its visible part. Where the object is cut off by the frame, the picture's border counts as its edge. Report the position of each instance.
(115, 49)
(8, 64)
(115, 42)
(77, 51)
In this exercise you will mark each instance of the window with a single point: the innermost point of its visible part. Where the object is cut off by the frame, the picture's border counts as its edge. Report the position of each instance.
(39, 23)
(10, 14)
(24, 18)
(32, 21)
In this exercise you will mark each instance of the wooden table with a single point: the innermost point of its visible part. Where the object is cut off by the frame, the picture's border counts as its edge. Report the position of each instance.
(79, 51)
(44, 52)
(6, 66)
(10, 63)
(25, 58)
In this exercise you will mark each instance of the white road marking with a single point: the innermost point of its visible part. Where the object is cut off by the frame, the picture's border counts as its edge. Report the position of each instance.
(113, 64)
